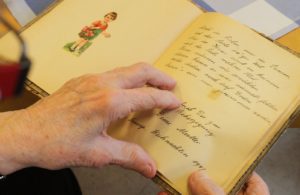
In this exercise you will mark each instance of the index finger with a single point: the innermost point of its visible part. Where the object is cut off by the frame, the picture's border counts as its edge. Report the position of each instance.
(145, 98)
(138, 75)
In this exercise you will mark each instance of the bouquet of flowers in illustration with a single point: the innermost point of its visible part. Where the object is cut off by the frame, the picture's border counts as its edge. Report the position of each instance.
(88, 33)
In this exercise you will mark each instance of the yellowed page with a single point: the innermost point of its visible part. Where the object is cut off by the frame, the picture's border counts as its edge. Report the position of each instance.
(235, 84)
(141, 32)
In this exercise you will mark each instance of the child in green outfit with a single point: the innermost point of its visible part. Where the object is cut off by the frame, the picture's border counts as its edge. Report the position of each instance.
(89, 33)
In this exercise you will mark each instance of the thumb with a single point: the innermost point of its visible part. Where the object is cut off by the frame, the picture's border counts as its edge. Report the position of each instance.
(200, 184)
(255, 185)
(131, 156)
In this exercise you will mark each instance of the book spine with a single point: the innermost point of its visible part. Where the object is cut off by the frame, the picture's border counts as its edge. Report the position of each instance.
(159, 181)
(33, 88)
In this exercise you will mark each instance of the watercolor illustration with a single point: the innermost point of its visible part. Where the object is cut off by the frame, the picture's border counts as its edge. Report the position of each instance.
(89, 33)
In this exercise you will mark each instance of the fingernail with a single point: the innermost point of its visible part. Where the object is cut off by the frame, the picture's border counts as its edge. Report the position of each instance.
(175, 102)
(178, 102)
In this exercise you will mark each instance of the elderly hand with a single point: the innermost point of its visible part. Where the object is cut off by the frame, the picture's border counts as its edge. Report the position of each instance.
(68, 128)
(200, 184)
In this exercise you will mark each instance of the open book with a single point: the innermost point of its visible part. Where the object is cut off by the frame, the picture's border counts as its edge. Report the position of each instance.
(239, 89)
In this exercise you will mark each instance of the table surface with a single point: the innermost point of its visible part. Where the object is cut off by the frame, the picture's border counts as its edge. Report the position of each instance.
(290, 40)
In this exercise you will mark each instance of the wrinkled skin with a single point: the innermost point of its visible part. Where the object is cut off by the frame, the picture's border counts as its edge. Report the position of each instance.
(68, 128)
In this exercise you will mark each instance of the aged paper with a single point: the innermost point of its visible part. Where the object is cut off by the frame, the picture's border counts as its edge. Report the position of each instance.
(235, 85)
(141, 32)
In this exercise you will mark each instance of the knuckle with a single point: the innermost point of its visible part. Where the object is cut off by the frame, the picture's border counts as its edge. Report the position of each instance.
(104, 100)
(111, 102)
(111, 77)
(143, 67)
(84, 81)
(91, 78)
(113, 98)
(146, 67)
(112, 73)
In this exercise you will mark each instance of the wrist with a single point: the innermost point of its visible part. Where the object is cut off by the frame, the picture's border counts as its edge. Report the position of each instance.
(14, 148)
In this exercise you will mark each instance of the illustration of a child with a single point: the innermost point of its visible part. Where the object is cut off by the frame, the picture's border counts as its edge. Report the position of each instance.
(88, 33)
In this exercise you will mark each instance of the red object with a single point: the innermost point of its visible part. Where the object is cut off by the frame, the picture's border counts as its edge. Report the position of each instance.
(9, 79)
(99, 24)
